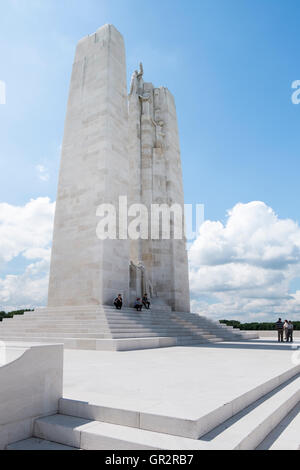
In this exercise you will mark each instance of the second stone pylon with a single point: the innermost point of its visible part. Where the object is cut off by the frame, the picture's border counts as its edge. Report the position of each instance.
(94, 170)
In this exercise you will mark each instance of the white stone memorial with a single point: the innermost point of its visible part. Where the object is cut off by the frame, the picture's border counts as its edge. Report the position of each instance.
(107, 153)
(117, 148)
(236, 395)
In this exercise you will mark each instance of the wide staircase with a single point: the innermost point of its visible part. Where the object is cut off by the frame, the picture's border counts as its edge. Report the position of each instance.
(105, 328)
(268, 417)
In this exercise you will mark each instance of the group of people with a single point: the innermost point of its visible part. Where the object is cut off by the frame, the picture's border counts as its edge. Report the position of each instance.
(285, 330)
(139, 303)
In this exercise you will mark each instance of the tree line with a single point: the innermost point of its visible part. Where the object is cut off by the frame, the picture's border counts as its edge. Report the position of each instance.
(14, 312)
(257, 325)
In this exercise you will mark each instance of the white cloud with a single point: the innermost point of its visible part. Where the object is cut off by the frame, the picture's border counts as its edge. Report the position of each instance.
(42, 172)
(26, 231)
(243, 269)
(26, 290)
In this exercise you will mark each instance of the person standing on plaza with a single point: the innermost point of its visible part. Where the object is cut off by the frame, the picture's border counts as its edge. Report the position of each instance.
(290, 331)
(285, 330)
(279, 328)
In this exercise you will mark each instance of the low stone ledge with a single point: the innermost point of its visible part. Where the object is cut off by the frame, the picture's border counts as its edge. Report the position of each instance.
(31, 384)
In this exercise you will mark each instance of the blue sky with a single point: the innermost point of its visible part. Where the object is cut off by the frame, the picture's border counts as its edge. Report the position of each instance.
(229, 63)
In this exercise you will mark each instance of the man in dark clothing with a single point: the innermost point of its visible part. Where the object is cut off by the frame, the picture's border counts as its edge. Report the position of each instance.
(118, 302)
(279, 328)
(146, 302)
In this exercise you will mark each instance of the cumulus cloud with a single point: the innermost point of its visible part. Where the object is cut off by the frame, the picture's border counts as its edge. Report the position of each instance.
(242, 269)
(239, 269)
(26, 231)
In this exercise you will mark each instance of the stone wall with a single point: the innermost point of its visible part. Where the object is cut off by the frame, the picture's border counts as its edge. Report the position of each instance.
(31, 384)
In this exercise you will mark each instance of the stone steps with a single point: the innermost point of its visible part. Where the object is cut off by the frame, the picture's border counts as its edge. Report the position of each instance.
(286, 435)
(138, 334)
(110, 321)
(248, 429)
(100, 330)
(116, 344)
(107, 322)
(70, 336)
(93, 435)
(34, 443)
(245, 423)
(110, 329)
(37, 326)
(249, 408)
(100, 327)
(132, 316)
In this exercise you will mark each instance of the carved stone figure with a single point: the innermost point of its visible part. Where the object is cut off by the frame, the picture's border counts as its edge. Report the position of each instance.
(160, 135)
(139, 281)
(134, 83)
(145, 99)
(141, 72)
(146, 283)
(136, 79)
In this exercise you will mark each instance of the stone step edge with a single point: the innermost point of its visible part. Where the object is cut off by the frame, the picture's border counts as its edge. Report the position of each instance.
(192, 429)
(87, 434)
(110, 344)
(247, 432)
(119, 326)
(112, 321)
(111, 338)
(115, 336)
(110, 327)
(131, 316)
(34, 443)
(101, 435)
(286, 435)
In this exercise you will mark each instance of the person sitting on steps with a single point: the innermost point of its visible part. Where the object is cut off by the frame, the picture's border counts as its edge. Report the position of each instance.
(138, 305)
(118, 302)
(146, 302)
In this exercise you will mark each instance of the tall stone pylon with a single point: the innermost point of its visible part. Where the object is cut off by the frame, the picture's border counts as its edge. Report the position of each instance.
(155, 166)
(94, 170)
